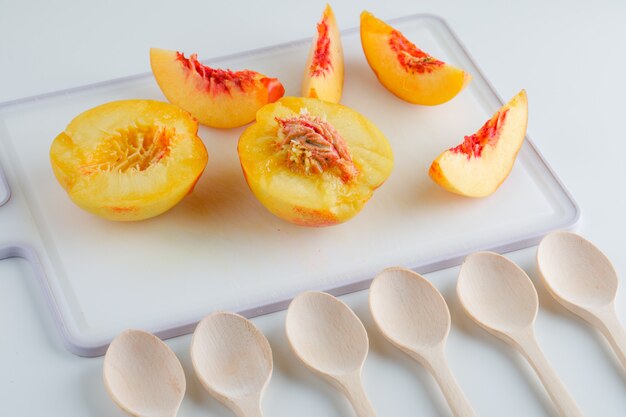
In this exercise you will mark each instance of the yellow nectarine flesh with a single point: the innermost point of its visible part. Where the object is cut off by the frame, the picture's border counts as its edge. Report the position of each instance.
(312, 162)
(216, 97)
(129, 160)
(323, 74)
(478, 166)
(404, 69)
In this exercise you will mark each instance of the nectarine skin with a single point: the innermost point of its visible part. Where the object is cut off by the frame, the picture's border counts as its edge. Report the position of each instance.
(129, 160)
(404, 69)
(481, 163)
(313, 163)
(324, 71)
(216, 97)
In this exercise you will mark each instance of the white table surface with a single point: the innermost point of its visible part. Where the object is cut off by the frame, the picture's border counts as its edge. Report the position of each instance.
(570, 57)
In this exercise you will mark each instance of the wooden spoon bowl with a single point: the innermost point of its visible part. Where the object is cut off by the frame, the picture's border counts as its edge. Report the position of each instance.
(583, 280)
(575, 271)
(409, 310)
(500, 297)
(143, 376)
(326, 335)
(233, 361)
(497, 293)
(331, 341)
(414, 316)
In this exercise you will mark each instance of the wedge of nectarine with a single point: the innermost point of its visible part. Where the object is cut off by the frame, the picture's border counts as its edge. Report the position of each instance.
(312, 162)
(404, 69)
(129, 160)
(478, 166)
(323, 74)
(216, 97)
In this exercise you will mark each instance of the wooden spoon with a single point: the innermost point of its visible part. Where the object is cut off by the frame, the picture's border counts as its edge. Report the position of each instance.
(233, 361)
(583, 280)
(143, 376)
(500, 297)
(331, 341)
(413, 315)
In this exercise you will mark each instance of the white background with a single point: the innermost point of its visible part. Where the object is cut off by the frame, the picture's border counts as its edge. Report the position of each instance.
(569, 55)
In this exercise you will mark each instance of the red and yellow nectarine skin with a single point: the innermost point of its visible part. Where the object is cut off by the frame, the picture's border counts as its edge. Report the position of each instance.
(216, 97)
(321, 62)
(489, 134)
(324, 71)
(129, 160)
(410, 57)
(479, 165)
(404, 69)
(312, 162)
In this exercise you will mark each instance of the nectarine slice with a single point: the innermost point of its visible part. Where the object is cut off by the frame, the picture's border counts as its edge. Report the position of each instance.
(216, 97)
(478, 166)
(323, 74)
(312, 162)
(404, 69)
(129, 160)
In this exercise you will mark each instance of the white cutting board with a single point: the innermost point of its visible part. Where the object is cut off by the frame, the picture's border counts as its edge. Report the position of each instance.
(219, 248)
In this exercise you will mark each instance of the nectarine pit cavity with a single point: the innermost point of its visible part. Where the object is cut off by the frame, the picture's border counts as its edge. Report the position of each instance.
(134, 148)
(473, 145)
(321, 63)
(221, 81)
(313, 145)
(410, 56)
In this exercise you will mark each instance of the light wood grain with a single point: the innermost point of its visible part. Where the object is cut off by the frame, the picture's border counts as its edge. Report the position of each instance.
(233, 361)
(143, 376)
(331, 341)
(583, 280)
(500, 297)
(413, 315)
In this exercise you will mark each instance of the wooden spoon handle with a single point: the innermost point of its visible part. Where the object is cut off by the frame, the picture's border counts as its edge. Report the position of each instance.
(614, 332)
(563, 401)
(248, 407)
(457, 401)
(352, 387)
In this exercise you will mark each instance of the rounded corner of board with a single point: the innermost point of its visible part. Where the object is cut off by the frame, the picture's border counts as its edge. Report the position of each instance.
(5, 190)
(83, 347)
(435, 18)
(574, 220)
(5, 198)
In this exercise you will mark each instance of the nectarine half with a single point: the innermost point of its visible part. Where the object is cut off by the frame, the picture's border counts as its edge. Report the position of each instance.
(216, 97)
(404, 69)
(478, 166)
(312, 162)
(129, 160)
